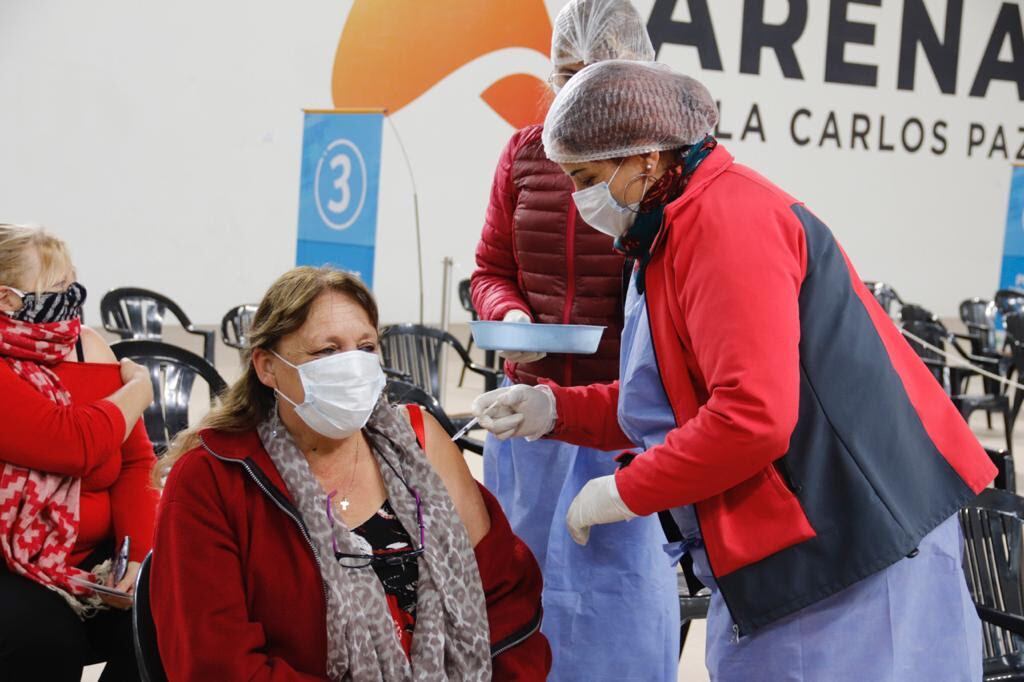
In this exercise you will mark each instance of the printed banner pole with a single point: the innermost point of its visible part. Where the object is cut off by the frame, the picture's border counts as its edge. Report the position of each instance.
(415, 208)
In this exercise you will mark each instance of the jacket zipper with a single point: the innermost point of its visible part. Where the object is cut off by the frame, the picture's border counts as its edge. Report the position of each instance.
(517, 638)
(298, 522)
(570, 284)
(736, 634)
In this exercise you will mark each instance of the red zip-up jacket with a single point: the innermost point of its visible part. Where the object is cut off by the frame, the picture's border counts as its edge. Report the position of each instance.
(817, 448)
(236, 590)
(536, 254)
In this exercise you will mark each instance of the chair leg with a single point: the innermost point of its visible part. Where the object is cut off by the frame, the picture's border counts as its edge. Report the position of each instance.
(1008, 428)
(490, 383)
(684, 630)
(962, 408)
(469, 349)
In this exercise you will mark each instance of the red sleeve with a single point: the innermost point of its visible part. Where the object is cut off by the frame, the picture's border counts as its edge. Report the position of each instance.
(495, 286)
(132, 497)
(512, 584)
(745, 258)
(41, 435)
(588, 416)
(203, 628)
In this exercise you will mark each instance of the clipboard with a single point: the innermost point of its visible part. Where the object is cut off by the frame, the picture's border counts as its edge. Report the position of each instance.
(102, 589)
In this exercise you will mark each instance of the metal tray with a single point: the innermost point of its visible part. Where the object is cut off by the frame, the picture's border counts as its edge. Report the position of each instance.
(580, 339)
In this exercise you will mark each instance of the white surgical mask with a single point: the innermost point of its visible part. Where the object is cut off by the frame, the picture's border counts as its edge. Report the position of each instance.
(341, 392)
(602, 212)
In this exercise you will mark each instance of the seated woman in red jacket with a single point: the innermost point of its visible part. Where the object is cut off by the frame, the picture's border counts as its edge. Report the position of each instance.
(305, 534)
(74, 471)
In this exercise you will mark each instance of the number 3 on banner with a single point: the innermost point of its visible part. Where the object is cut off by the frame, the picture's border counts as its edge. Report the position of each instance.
(342, 181)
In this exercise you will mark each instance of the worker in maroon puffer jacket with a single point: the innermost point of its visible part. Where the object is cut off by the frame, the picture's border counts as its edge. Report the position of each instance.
(538, 261)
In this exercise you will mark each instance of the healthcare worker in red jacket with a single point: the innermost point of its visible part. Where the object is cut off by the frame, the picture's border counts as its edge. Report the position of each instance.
(810, 462)
(538, 261)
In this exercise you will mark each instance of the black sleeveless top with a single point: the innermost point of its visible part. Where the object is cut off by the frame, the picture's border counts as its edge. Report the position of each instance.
(386, 535)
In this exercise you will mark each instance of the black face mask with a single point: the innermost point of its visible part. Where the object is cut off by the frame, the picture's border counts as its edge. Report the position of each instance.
(52, 306)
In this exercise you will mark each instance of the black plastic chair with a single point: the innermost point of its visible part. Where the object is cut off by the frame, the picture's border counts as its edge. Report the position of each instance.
(933, 333)
(913, 315)
(694, 600)
(466, 299)
(1009, 301)
(404, 393)
(173, 371)
(979, 316)
(234, 327)
(491, 359)
(417, 350)
(1006, 478)
(885, 295)
(147, 653)
(993, 552)
(1015, 344)
(911, 312)
(138, 314)
(954, 379)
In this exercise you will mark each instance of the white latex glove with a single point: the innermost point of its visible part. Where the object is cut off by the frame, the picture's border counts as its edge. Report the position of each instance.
(597, 503)
(519, 357)
(517, 411)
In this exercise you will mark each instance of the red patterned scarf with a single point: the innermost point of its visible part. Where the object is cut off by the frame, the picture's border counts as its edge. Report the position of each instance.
(39, 510)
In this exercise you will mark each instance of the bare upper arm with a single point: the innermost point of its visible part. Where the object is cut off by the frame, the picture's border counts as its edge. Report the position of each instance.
(448, 462)
(95, 348)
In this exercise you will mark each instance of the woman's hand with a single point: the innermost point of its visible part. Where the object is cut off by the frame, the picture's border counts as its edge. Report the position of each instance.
(519, 357)
(134, 396)
(127, 584)
(597, 503)
(520, 411)
(134, 372)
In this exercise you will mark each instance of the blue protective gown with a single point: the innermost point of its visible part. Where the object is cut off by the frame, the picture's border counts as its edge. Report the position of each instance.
(912, 621)
(611, 608)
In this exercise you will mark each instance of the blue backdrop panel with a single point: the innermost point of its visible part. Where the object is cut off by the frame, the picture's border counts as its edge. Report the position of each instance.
(355, 259)
(340, 178)
(1013, 243)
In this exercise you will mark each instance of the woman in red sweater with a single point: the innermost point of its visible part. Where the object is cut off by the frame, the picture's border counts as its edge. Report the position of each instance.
(74, 463)
(309, 530)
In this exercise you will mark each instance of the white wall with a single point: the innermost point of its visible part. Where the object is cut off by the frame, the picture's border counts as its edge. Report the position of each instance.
(163, 141)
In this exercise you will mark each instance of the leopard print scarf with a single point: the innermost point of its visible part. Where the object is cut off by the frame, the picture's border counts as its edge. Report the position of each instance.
(451, 641)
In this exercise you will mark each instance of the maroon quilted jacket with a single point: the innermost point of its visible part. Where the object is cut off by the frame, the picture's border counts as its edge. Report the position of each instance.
(536, 254)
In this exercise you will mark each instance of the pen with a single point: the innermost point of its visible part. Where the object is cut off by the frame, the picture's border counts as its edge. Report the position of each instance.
(121, 562)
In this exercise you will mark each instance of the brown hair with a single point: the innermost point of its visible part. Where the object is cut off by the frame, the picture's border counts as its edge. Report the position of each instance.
(284, 309)
(16, 240)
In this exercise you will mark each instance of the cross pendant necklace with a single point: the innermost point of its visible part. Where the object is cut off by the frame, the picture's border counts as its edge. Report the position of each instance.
(344, 502)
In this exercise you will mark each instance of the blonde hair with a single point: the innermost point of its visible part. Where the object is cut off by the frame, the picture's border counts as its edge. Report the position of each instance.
(15, 242)
(283, 310)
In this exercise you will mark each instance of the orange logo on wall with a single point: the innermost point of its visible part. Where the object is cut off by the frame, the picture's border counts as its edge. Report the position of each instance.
(393, 51)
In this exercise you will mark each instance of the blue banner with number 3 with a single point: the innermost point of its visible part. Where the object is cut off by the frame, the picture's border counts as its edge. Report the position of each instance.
(338, 191)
